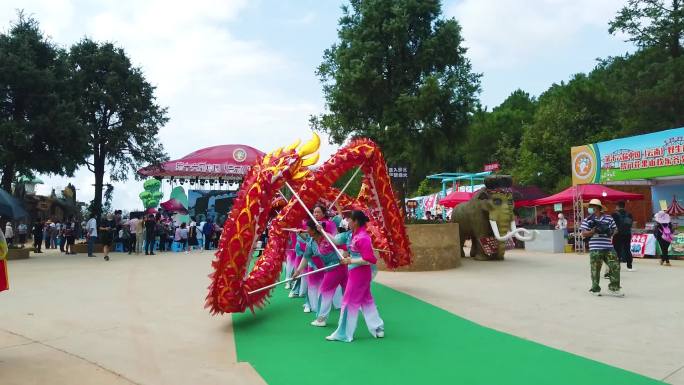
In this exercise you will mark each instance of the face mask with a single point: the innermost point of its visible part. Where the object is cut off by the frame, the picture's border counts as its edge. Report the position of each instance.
(590, 210)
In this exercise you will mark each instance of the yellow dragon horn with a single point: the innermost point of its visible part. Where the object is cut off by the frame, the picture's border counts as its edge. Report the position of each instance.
(313, 159)
(273, 154)
(277, 152)
(311, 146)
(293, 145)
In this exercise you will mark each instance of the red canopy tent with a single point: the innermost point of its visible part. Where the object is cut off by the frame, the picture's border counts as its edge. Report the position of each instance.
(588, 191)
(455, 198)
(228, 160)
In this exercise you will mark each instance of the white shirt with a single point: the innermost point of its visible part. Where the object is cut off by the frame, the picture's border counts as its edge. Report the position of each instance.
(91, 227)
(562, 224)
(9, 233)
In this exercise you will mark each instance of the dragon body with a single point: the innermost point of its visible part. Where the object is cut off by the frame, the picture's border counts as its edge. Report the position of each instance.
(232, 279)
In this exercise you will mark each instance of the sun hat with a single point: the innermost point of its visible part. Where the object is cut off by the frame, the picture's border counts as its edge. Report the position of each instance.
(595, 202)
(662, 217)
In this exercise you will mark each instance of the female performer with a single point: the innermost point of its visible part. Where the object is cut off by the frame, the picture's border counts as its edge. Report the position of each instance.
(318, 250)
(357, 295)
(290, 258)
(333, 284)
(321, 215)
(299, 287)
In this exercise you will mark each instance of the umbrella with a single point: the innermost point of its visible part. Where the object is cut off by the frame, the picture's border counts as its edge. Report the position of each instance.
(675, 209)
(10, 207)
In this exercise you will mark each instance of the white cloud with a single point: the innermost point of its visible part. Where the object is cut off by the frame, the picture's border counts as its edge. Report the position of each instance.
(505, 33)
(219, 89)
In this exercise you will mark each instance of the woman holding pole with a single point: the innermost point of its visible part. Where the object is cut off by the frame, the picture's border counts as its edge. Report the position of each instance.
(290, 258)
(357, 295)
(299, 287)
(318, 250)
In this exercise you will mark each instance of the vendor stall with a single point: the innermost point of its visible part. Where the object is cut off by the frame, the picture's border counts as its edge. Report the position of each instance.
(652, 164)
(577, 196)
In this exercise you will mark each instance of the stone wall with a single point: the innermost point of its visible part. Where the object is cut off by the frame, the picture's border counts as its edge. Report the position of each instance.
(435, 247)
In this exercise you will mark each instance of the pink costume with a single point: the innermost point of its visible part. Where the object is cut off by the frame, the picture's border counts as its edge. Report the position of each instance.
(313, 255)
(357, 294)
(290, 256)
(333, 279)
(314, 260)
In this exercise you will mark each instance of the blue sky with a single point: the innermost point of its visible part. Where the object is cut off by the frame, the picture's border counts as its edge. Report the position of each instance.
(243, 71)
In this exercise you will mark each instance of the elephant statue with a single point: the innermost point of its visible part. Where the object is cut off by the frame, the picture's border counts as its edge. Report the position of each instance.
(487, 220)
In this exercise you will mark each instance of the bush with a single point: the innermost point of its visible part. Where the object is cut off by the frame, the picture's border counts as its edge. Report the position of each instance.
(413, 221)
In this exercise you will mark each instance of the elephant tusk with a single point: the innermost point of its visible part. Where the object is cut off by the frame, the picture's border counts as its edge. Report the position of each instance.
(497, 235)
(522, 234)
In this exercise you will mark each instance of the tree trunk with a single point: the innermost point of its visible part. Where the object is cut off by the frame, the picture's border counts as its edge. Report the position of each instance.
(7, 177)
(99, 168)
(675, 48)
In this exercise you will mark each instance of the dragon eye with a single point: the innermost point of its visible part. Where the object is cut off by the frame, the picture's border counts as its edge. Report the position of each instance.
(497, 201)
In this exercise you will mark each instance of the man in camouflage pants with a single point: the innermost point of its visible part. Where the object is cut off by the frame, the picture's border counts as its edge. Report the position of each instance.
(600, 228)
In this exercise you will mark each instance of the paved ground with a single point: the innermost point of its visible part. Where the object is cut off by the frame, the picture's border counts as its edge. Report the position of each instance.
(140, 319)
(545, 298)
(132, 320)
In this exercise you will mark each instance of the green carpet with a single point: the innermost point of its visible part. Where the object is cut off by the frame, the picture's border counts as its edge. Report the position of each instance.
(423, 345)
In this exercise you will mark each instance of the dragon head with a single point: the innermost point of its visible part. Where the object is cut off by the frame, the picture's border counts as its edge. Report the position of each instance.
(292, 162)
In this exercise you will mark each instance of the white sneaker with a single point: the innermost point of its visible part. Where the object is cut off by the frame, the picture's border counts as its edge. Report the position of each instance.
(616, 293)
(632, 269)
(291, 295)
(186, 252)
(380, 334)
(330, 338)
(307, 309)
(595, 293)
(287, 286)
(319, 323)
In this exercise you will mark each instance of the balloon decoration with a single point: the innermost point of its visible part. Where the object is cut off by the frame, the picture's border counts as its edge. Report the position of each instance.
(178, 194)
(231, 282)
(151, 196)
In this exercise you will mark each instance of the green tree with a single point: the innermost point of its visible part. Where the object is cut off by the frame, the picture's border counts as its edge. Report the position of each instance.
(498, 133)
(118, 107)
(400, 76)
(581, 111)
(38, 126)
(650, 82)
(651, 23)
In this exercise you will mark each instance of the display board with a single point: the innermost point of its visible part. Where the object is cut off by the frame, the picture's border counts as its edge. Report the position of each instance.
(658, 154)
